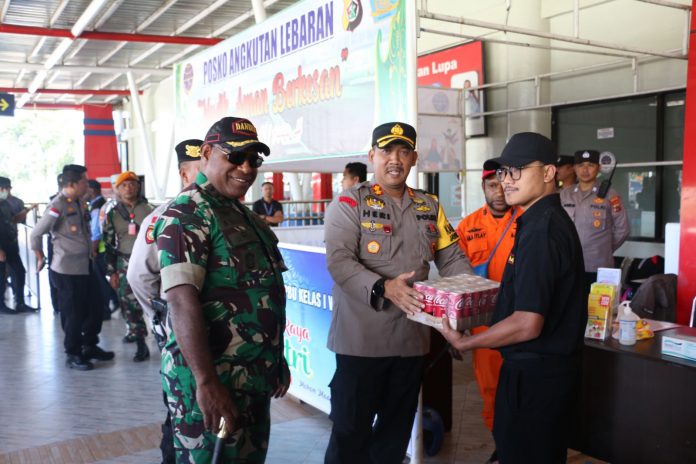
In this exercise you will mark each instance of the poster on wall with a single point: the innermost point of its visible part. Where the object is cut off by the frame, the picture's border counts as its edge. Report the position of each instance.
(314, 79)
(459, 67)
(440, 130)
(308, 318)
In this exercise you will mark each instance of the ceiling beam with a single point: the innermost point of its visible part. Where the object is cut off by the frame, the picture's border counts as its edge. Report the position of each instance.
(68, 91)
(113, 36)
(12, 66)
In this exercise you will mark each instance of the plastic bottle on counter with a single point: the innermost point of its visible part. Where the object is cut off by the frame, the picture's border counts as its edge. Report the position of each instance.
(627, 324)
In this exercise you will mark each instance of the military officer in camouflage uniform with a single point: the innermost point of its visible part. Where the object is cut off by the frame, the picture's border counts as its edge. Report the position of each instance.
(602, 223)
(144, 271)
(380, 237)
(119, 231)
(221, 271)
(67, 220)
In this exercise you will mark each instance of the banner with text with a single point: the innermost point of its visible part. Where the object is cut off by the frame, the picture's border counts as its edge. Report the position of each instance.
(314, 79)
(308, 317)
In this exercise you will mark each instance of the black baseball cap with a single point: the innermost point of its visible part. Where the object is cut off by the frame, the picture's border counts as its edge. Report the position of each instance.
(583, 156)
(564, 160)
(5, 183)
(391, 132)
(188, 150)
(526, 147)
(237, 133)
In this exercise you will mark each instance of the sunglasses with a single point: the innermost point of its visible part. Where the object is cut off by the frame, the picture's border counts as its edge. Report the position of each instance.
(238, 158)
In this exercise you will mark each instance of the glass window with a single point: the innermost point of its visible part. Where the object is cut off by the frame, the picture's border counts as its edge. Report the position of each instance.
(636, 187)
(626, 128)
(674, 126)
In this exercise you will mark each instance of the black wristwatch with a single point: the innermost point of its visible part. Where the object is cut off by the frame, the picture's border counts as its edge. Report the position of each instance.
(377, 294)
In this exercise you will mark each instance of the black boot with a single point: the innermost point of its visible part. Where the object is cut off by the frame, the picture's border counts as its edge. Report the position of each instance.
(5, 310)
(143, 352)
(22, 307)
(94, 352)
(78, 362)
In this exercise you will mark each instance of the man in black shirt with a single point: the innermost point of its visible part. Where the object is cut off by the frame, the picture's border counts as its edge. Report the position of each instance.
(270, 210)
(540, 315)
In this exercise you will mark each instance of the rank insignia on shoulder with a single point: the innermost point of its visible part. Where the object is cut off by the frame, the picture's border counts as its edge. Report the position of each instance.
(422, 208)
(349, 201)
(374, 202)
(373, 247)
(377, 189)
(149, 234)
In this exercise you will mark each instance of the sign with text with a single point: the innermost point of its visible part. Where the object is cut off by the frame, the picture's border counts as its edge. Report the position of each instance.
(458, 67)
(308, 288)
(314, 79)
(7, 104)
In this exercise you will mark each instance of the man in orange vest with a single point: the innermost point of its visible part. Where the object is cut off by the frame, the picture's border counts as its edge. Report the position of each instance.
(486, 236)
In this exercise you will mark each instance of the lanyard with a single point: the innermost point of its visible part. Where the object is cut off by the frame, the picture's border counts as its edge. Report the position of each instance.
(269, 209)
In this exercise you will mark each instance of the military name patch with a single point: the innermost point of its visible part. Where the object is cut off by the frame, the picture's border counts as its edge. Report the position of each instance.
(376, 214)
(426, 217)
(349, 201)
(374, 202)
(373, 247)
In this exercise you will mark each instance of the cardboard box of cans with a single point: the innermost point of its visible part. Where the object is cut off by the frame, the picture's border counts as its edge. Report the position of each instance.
(467, 300)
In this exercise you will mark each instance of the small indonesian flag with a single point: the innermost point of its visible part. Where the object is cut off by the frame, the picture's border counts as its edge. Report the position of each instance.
(54, 212)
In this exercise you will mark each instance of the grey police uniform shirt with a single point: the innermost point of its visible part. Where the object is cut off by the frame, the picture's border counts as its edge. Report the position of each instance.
(68, 222)
(370, 235)
(143, 268)
(602, 223)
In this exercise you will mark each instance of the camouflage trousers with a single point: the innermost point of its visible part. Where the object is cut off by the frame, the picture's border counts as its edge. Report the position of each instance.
(130, 308)
(248, 442)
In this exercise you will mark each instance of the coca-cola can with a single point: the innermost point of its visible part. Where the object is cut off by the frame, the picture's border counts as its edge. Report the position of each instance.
(440, 303)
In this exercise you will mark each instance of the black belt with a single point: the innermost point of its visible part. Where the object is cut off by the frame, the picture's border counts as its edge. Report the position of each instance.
(524, 356)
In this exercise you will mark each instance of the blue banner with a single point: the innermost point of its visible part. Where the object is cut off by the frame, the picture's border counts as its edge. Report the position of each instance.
(308, 286)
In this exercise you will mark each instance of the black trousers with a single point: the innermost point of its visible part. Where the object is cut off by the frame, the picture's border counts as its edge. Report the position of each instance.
(533, 409)
(81, 320)
(363, 388)
(17, 274)
(588, 279)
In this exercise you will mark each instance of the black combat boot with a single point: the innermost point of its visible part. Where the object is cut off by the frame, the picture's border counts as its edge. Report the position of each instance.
(78, 362)
(22, 307)
(94, 352)
(143, 352)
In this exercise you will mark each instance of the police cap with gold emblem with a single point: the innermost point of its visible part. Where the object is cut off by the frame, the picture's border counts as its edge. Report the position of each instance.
(188, 150)
(584, 156)
(391, 132)
(238, 134)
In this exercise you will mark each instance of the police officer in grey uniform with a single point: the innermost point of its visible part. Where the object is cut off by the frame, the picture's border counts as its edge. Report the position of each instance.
(67, 220)
(144, 270)
(602, 223)
(380, 237)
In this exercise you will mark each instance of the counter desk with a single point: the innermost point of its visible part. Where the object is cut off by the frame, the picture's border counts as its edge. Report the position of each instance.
(637, 405)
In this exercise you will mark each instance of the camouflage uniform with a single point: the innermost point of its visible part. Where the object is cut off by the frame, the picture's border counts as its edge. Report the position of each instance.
(231, 257)
(119, 244)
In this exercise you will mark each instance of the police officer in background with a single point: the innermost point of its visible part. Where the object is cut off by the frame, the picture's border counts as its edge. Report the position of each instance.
(144, 272)
(380, 237)
(119, 231)
(602, 223)
(565, 172)
(540, 316)
(68, 222)
(221, 271)
(9, 249)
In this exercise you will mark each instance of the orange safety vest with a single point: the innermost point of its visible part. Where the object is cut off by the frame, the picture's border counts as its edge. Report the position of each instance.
(478, 234)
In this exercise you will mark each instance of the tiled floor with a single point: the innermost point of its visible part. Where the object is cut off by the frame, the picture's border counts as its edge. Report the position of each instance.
(51, 414)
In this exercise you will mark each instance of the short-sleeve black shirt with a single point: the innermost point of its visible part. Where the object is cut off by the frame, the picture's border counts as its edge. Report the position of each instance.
(265, 209)
(544, 274)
